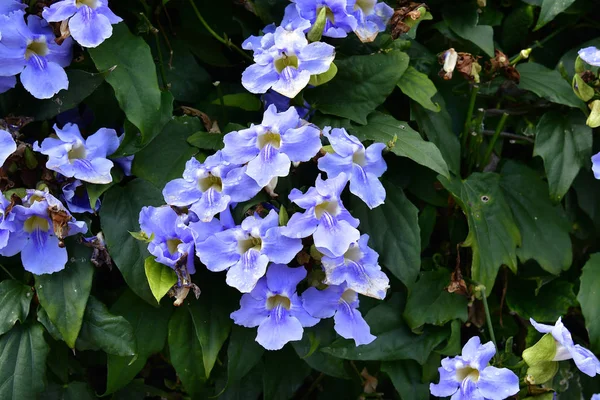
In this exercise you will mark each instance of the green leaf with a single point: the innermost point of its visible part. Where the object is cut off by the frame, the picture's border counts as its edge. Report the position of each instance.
(207, 140)
(493, 235)
(71, 391)
(360, 86)
(187, 79)
(463, 21)
(321, 79)
(160, 277)
(550, 9)
(245, 101)
(104, 331)
(393, 228)
(134, 81)
(430, 303)
(589, 298)
(545, 304)
(64, 294)
(565, 145)
(164, 159)
(243, 353)
(402, 141)
(150, 326)
(419, 87)
(547, 83)
(118, 216)
(438, 129)
(515, 27)
(15, 299)
(406, 377)
(544, 227)
(308, 349)
(23, 353)
(283, 375)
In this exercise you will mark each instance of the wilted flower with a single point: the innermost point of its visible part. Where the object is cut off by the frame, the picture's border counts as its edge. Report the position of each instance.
(270, 148)
(75, 157)
(338, 20)
(468, 376)
(372, 17)
(77, 198)
(340, 303)
(275, 307)
(90, 21)
(29, 49)
(326, 218)
(7, 83)
(285, 61)
(362, 166)
(448, 59)
(590, 55)
(596, 165)
(7, 146)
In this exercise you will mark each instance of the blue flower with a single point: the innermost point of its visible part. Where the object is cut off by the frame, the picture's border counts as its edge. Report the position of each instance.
(7, 83)
(270, 148)
(75, 157)
(338, 21)
(275, 307)
(5, 225)
(285, 61)
(590, 55)
(282, 103)
(372, 17)
(363, 167)
(8, 6)
(358, 269)
(340, 303)
(595, 397)
(29, 49)
(596, 165)
(209, 187)
(566, 349)
(90, 21)
(77, 198)
(7, 146)
(468, 376)
(247, 249)
(326, 218)
(37, 237)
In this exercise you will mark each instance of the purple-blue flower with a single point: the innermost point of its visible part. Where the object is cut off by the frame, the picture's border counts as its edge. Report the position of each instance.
(77, 198)
(209, 187)
(468, 376)
(75, 157)
(271, 147)
(590, 55)
(363, 167)
(338, 21)
(7, 146)
(4, 224)
(275, 307)
(595, 397)
(285, 61)
(36, 237)
(358, 269)
(596, 165)
(8, 6)
(566, 349)
(247, 249)
(326, 218)
(282, 103)
(90, 21)
(372, 17)
(7, 83)
(340, 303)
(29, 49)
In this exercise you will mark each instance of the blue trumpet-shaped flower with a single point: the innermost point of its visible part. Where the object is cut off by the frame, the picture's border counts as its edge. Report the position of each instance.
(566, 349)
(282, 103)
(340, 303)
(326, 218)
(284, 62)
(338, 21)
(247, 249)
(8, 6)
(75, 157)
(5, 226)
(358, 270)
(7, 146)
(275, 307)
(90, 21)
(363, 167)
(209, 187)
(372, 17)
(77, 198)
(270, 148)
(29, 49)
(37, 236)
(590, 55)
(7, 83)
(468, 376)
(596, 165)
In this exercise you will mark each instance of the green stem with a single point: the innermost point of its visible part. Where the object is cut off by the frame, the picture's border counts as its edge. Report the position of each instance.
(7, 272)
(475, 141)
(490, 147)
(488, 317)
(313, 386)
(467, 127)
(216, 36)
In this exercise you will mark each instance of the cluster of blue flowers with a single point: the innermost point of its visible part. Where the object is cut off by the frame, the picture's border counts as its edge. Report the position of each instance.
(29, 48)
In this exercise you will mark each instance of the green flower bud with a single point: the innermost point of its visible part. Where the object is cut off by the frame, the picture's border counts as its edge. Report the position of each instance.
(584, 91)
(579, 65)
(539, 358)
(593, 120)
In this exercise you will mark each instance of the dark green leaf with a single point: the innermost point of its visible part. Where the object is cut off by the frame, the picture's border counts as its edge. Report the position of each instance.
(360, 86)
(243, 353)
(493, 235)
(544, 305)
(547, 83)
(72, 391)
(406, 377)
(313, 340)
(118, 216)
(550, 9)
(589, 298)
(393, 228)
(14, 303)
(463, 21)
(189, 81)
(283, 375)
(419, 87)
(207, 140)
(515, 27)
(245, 101)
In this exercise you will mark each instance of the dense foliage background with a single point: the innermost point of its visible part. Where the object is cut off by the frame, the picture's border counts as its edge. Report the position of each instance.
(490, 194)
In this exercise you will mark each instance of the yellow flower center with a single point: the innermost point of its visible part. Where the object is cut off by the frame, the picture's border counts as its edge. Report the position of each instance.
(209, 182)
(36, 222)
(467, 372)
(38, 47)
(90, 3)
(286, 61)
(278, 300)
(172, 245)
(272, 138)
(77, 152)
(330, 207)
(250, 243)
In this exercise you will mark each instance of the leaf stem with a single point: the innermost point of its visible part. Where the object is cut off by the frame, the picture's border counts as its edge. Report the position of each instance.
(465, 134)
(227, 43)
(488, 317)
(490, 148)
(7, 272)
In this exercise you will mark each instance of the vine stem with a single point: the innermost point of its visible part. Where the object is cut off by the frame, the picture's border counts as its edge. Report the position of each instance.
(227, 43)
(465, 134)
(490, 148)
(488, 317)
(7, 272)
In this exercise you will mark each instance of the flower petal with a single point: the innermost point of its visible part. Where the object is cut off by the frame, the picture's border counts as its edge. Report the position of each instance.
(59, 11)
(251, 313)
(43, 79)
(89, 28)
(244, 274)
(259, 78)
(278, 329)
(367, 187)
(283, 280)
(279, 248)
(497, 383)
(42, 255)
(322, 303)
(350, 324)
(7, 146)
(269, 164)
